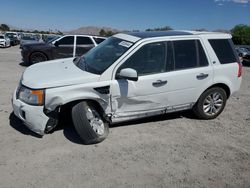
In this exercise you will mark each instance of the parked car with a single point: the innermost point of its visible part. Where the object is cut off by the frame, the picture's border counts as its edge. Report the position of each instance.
(13, 36)
(130, 76)
(28, 39)
(243, 53)
(62, 47)
(4, 41)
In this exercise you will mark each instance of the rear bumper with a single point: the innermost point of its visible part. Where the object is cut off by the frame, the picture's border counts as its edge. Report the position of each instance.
(32, 116)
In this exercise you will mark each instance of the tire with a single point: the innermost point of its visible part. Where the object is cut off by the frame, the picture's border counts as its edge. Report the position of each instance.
(37, 57)
(89, 124)
(211, 103)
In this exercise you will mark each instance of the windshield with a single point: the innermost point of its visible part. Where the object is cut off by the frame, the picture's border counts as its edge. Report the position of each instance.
(98, 59)
(50, 39)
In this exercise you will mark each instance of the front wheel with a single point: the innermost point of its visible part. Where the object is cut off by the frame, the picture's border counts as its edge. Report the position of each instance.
(211, 103)
(88, 123)
(37, 57)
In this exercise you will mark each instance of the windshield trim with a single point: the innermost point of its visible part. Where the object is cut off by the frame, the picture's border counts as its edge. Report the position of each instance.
(127, 37)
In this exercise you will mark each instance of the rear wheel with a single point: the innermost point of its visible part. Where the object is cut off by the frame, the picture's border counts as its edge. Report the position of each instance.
(88, 123)
(37, 57)
(211, 103)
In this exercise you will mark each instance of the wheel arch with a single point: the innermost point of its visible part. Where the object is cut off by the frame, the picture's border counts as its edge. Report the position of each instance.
(223, 86)
(37, 51)
(66, 108)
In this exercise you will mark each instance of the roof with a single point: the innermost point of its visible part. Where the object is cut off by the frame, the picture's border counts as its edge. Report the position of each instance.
(151, 34)
(136, 36)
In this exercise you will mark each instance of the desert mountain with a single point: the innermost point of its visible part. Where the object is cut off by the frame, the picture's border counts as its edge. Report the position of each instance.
(91, 30)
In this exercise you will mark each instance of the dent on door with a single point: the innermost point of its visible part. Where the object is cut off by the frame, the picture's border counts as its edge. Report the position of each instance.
(129, 101)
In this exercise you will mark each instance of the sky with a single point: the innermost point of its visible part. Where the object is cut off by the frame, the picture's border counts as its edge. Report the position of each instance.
(66, 15)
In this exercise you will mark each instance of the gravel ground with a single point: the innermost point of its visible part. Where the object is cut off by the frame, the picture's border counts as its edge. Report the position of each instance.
(174, 150)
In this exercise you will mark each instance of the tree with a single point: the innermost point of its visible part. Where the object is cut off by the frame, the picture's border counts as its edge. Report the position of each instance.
(59, 32)
(166, 28)
(4, 27)
(102, 32)
(109, 33)
(241, 34)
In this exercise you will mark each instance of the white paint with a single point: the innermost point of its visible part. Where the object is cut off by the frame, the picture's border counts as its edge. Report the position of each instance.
(64, 83)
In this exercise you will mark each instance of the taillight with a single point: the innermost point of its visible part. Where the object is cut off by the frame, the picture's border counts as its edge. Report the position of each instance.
(239, 69)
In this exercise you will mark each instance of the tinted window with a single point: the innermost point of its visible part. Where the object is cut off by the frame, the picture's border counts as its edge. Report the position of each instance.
(185, 54)
(149, 59)
(1, 37)
(189, 54)
(67, 40)
(98, 40)
(223, 49)
(83, 41)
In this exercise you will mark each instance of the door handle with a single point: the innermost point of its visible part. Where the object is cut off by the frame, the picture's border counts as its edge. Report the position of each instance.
(159, 83)
(201, 76)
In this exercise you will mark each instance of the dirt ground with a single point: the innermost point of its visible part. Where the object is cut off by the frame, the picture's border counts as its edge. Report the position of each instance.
(174, 150)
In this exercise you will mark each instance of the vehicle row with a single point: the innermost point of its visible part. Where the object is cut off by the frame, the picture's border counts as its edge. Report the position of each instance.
(244, 53)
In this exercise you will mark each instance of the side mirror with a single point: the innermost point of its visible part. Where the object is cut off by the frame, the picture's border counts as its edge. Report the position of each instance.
(128, 73)
(56, 43)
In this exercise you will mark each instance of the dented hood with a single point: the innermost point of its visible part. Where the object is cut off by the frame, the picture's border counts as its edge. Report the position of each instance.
(56, 73)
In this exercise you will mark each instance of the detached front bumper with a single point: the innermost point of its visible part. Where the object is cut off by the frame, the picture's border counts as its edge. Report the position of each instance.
(32, 116)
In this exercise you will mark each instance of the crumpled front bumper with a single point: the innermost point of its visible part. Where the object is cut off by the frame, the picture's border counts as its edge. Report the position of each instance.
(32, 116)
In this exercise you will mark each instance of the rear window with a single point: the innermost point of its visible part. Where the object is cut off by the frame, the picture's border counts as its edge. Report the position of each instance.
(224, 50)
(84, 41)
(1, 37)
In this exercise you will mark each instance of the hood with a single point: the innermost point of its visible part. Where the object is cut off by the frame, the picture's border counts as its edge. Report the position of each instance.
(36, 44)
(30, 41)
(56, 73)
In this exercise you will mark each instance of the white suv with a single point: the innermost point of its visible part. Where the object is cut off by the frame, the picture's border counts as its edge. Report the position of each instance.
(130, 76)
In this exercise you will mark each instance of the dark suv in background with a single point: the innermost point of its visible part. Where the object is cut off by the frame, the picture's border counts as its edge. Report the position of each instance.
(59, 47)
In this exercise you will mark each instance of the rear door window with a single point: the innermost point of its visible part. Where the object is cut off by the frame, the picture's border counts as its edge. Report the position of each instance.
(223, 48)
(83, 41)
(189, 54)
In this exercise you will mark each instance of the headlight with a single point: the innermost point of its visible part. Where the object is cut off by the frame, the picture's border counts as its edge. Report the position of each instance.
(30, 96)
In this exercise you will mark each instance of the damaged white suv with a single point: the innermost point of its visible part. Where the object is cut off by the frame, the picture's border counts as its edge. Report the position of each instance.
(130, 76)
